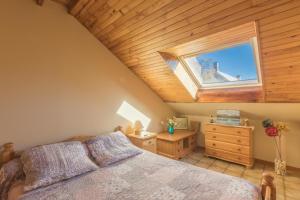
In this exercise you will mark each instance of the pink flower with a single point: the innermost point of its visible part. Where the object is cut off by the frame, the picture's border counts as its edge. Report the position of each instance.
(271, 131)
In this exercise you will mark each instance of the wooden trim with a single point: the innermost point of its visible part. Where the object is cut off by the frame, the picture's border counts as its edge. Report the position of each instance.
(237, 95)
(265, 162)
(40, 2)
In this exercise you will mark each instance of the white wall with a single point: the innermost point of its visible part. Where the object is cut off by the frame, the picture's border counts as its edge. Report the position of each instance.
(57, 80)
(263, 146)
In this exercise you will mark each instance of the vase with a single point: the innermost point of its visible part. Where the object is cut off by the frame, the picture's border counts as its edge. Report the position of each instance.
(280, 167)
(171, 130)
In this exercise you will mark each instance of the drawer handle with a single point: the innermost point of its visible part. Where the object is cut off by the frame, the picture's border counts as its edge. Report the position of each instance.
(214, 137)
(214, 129)
(239, 132)
(239, 158)
(239, 149)
(214, 144)
(239, 141)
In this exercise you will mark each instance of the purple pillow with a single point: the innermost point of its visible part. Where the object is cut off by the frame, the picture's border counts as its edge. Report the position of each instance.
(111, 148)
(48, 164)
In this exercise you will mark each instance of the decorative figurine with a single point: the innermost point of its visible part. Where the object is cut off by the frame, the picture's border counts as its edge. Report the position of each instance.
(7, 153)
(211, 119)
(138, 126)
(245, 122)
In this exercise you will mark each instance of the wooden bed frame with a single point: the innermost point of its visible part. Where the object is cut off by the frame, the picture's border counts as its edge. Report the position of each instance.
(268, 189)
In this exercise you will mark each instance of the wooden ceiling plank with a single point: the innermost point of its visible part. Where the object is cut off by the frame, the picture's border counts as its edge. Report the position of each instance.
(40, 2)
(131, 11)
(181, 23)
(124, 26)
(137, 41)
(104, 9)
(216, 18)
(139, 13)
(151, 22)
(167, 42)
(287, 34)
(194, 36)
(286, 56)
(293, 37)
(279, 30)
(111, 13)
(280, 23)
(122, 11)
(76, 7)
(281, 46)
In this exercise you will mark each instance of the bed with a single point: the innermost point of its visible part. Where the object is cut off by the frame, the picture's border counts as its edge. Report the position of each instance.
(149, 176)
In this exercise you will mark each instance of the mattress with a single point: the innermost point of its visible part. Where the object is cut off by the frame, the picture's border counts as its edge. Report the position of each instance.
(146, 176)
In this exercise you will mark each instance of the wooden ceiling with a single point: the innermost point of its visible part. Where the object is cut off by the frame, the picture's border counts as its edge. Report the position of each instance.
(135, 30)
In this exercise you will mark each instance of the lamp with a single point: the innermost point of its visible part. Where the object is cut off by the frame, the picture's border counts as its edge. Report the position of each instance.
(138, 126)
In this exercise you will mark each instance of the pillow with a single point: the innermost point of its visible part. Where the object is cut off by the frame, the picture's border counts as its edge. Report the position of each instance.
(111, 148)
(9, 172)
(48, 164)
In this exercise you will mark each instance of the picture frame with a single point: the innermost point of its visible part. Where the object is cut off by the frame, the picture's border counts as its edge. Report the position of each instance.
(181, 123)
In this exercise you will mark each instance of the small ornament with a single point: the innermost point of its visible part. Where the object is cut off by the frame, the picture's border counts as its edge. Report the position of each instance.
(129, 130)
(138, 126)
(7, 153)
(245, 122)
(211, 119)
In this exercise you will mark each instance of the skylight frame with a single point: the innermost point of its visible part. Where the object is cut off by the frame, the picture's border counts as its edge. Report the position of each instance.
(236, 84)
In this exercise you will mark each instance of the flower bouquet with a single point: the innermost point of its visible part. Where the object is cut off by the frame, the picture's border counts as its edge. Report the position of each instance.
(171, 125)
(276, 130)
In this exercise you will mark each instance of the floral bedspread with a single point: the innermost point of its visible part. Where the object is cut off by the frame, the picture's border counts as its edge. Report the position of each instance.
(145, 177)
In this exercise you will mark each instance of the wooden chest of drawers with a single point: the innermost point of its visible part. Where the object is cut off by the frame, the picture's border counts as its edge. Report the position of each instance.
(231, 143)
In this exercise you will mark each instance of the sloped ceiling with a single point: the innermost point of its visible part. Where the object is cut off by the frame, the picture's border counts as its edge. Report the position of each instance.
(135, 30)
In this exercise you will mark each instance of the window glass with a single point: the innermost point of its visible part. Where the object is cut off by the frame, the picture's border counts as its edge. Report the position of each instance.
(234, 65)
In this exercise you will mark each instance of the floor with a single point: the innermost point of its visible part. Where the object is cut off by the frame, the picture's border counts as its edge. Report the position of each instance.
(288, 187)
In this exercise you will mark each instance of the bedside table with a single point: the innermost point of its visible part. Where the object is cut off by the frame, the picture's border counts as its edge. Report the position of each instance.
(145, 141)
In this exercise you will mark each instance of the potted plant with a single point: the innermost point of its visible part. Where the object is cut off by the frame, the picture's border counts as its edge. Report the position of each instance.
(275, 130)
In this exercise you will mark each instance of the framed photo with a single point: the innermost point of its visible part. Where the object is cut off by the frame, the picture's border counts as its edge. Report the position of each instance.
(181, 123)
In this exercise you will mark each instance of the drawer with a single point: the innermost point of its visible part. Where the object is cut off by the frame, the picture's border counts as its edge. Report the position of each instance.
(229, 156)
(149, 142)
(151, 148)
(243, 150)
(239, 131)
(228, 138)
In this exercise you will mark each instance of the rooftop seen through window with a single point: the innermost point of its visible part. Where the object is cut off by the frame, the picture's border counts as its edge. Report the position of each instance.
(231, 66)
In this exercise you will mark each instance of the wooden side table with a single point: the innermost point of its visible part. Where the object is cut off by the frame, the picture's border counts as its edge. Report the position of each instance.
(145, 141)
(176, 146)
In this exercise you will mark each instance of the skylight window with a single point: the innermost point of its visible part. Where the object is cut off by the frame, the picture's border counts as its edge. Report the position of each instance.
(234, 66)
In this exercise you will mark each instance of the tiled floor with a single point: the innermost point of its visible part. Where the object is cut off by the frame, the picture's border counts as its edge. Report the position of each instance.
(288, 187)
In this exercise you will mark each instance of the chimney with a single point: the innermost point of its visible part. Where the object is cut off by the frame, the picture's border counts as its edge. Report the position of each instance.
(216, 66)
